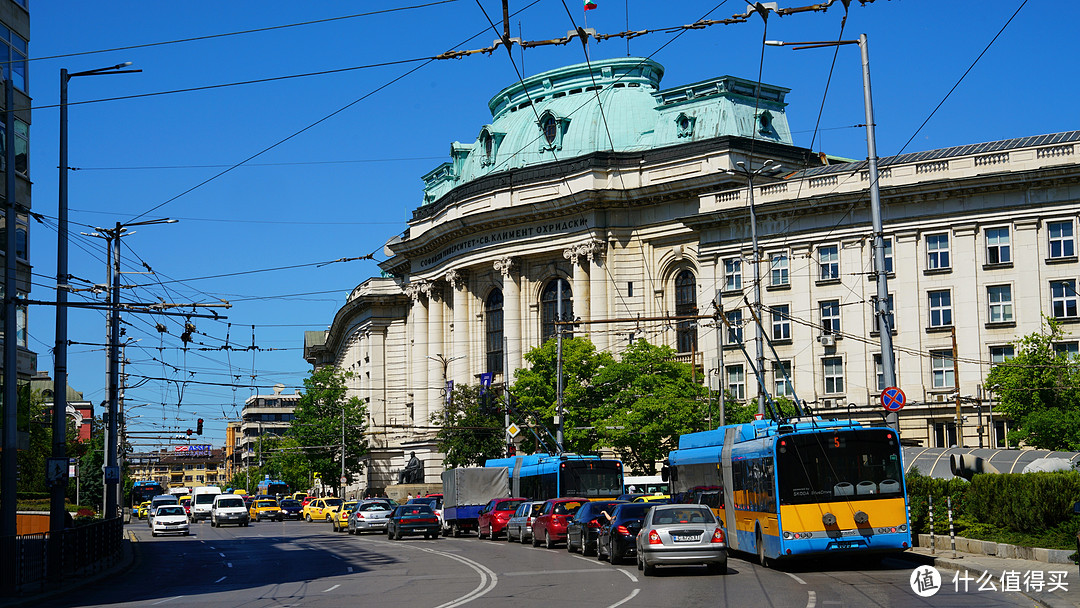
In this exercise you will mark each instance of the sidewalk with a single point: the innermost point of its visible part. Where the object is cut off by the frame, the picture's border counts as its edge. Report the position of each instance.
(1033, 579)
(128, 558)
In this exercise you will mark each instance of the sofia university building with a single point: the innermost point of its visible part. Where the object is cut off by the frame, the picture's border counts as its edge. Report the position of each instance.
(622, 194)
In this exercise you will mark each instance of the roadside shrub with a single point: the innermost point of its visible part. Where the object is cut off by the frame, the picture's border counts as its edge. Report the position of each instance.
(921, 488)
(1025, 502)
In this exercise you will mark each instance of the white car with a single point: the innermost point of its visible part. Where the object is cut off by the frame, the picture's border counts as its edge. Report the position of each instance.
(229, 509)
(169, 519)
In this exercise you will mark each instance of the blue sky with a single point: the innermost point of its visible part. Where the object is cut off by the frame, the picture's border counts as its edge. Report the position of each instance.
(352, 145)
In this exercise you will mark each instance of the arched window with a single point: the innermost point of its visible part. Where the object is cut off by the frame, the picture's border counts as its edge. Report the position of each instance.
(549, 311)
(493, 330)
(550, 126)
(686, 305)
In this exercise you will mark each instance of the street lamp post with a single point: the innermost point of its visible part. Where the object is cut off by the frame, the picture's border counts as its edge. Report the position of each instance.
(768, 168)
(112, 480)
(888, 362)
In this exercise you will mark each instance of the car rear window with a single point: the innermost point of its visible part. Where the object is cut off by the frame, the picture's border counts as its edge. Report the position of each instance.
(265, 503)
(374, 506)
(566, 508)
(636, 510)
(290, 503)
(683, 515)
(417, 510)
(507, 505)
(332, 502)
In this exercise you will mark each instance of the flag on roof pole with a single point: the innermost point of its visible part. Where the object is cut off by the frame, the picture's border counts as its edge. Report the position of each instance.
(590, 5)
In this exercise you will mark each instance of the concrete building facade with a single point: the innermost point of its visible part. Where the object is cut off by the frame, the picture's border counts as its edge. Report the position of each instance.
(595, 179)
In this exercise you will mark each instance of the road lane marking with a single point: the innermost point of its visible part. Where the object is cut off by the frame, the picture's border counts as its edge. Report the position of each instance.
(812, 600)
(168, 599)
(630, 574)
(229, 564)
(632, 595)
(543, 572)
(349, 569)
(331, 589)
(797, 579)
(221, 579)
(221, 554)
(488, 578)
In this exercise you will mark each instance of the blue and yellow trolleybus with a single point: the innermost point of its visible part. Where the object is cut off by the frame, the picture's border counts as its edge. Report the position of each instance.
(272, 487)
(544, 476)
(798, 487)
(144, 490)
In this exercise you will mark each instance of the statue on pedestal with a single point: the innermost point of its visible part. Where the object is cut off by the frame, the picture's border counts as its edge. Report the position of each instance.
(413, 471)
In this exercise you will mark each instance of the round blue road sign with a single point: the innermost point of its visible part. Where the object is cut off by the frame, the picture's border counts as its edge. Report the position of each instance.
(893, 399)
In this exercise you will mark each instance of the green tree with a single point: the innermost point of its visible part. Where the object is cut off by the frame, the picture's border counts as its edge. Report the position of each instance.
(471, 427)
(1039, 389)
(535, 391)
(647, 399)
(323, 413)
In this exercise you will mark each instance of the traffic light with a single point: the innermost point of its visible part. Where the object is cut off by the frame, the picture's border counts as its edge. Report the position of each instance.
(198, 429)
(511, 450)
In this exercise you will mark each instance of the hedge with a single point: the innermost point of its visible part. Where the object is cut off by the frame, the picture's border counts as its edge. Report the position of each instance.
(1024, 502)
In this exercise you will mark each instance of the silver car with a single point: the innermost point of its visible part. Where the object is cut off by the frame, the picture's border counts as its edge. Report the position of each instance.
(370, 515)
(519, 527)
(677, 535)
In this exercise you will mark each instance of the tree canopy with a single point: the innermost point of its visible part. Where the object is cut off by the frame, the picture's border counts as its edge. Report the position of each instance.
(471, 427)
(1039, 389)
(325, 420)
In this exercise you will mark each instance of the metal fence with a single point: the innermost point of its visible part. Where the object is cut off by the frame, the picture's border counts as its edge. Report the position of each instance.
(84, 550)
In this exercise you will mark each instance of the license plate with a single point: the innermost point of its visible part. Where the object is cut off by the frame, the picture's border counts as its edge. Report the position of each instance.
(847, 545)
(685, 538)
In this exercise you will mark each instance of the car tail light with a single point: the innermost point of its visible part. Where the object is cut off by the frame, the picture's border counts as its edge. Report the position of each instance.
(654, 538)
(622, 530)
(594, 523)
(718, 535)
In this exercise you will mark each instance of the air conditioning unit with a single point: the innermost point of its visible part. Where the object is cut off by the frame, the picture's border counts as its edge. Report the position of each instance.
(827, 403)
(940, 398)
(827, 340)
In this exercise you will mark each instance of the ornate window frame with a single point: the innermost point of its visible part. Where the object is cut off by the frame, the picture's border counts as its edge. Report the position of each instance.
(552, 128)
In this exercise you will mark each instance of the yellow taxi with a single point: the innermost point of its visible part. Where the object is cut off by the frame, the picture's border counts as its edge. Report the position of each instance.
(265, 509)
(322, 509)
(143, 509)
(341, 516)
(653, 498)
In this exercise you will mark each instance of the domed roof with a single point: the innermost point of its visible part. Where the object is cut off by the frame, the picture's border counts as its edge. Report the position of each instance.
(606, 105)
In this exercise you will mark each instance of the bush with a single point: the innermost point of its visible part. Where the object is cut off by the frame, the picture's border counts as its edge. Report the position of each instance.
(1025, 502)
(921, 488)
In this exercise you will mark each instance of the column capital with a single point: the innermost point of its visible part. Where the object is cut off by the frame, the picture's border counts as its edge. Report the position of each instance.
(456, 279)
(585, 252)
(505, 265)
(415, 289)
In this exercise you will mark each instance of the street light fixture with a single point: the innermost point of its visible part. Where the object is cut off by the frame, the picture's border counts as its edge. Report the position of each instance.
(888, 362)
(57, 512)
(768, 168)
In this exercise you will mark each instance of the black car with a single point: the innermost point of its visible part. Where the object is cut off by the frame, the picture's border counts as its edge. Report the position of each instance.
(291, 509)
(413, 519)
(616, 538)
(581, 531)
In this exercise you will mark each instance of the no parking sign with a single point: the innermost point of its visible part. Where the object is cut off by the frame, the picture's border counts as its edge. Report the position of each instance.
(893, 399)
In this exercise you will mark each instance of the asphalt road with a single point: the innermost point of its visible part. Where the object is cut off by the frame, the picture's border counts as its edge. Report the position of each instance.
(283, 564)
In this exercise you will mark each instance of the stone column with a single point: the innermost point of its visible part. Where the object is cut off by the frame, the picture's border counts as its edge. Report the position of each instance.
(511, 314)
(418, 361)
(437, 353)
(376, 392)
(600, 283)
(579, 285)
(459, 368)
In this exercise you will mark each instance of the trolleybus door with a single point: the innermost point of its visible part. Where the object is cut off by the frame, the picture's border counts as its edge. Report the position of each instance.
(729, 497)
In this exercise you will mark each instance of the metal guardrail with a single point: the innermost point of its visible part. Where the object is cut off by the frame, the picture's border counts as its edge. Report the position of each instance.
(85, 550)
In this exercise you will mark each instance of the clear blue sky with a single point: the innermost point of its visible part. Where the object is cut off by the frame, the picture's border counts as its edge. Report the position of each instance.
(344, 186)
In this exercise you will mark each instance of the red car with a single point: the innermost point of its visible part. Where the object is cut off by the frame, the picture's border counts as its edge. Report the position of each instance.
(495, 514)
(550, 526)
(306, 500)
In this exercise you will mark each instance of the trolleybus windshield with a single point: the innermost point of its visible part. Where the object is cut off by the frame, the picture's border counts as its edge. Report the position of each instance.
(841, 465)
(592, 478)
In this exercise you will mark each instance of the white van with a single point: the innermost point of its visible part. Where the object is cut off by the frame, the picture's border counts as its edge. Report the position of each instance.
(228, 509)
(202, 500)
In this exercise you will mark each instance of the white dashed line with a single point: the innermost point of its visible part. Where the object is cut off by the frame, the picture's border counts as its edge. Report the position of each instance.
(632, 595)
(797, 579)
(221, 554)
(331, 589)
(220, 579)
(168, 599)
(630, 574)
(812, 600)
(349, 569)
(229, 564)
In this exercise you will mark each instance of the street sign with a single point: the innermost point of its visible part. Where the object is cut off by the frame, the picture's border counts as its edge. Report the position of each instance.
(112, 474)
(343, 480)
(55, 469)
(513, 430)
(893, 399)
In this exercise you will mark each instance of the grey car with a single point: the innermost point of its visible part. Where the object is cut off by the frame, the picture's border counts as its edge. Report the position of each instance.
(678, 535)
(519, 527)
(369, 515)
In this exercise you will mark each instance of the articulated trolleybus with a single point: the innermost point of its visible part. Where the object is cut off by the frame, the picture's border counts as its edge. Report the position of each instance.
(544, 476)
(801, 487)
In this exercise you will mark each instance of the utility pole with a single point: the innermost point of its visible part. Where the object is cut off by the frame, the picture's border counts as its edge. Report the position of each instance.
(9, 464)
(956, 387)
(558, 369)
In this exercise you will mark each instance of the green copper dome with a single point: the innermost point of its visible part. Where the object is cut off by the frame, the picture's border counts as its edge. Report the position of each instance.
(607, 105)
